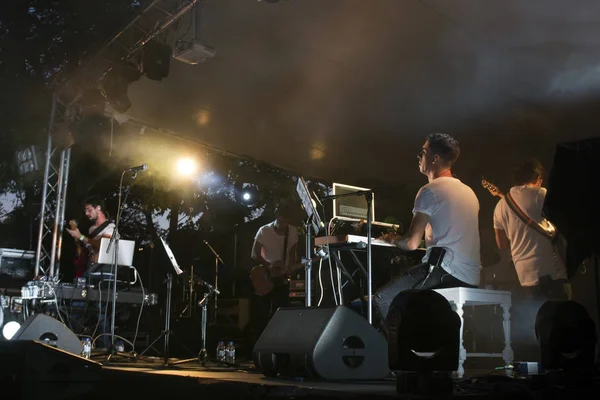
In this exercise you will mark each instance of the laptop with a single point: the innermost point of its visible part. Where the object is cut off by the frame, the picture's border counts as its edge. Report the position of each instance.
(351, 207)
(126, 251)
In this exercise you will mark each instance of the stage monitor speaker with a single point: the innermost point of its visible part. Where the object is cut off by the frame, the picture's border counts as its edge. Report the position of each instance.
(32, 370)
(45, 329)
(321, 343)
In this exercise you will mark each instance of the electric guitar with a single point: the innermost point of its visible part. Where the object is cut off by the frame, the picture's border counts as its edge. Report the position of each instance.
(85, 253)
(545, 228)
(493, 189)
(263, 277)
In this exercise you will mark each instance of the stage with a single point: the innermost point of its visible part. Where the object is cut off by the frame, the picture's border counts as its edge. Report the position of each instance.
(153, 380)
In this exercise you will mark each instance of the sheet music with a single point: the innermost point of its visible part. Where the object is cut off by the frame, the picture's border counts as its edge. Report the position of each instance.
(178, 270)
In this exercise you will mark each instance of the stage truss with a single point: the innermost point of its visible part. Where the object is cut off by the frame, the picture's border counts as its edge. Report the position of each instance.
(151, 21)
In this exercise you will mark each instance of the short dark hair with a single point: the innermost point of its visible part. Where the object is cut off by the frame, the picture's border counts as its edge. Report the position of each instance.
(284, 211)
(95, 201)
(528, 171)
(445, 146)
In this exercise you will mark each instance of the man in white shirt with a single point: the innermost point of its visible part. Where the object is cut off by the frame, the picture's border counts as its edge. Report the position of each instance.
(541, 273)
(95, 212)
(268, 251)
(446, 211)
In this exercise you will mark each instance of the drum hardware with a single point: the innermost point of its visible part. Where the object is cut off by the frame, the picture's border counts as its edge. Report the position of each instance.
(190, 294)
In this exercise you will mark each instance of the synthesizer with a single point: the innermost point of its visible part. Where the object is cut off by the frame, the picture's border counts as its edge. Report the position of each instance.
(359, 242)
(47, 291)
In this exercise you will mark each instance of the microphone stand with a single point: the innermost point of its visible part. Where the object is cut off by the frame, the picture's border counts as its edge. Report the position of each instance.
(115, 240)
(217, 260)
(369, 197)
(203, 354)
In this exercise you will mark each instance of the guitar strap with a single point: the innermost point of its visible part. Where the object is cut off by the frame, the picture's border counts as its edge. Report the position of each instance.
(526, 219)
(285, 245)
(99, 229)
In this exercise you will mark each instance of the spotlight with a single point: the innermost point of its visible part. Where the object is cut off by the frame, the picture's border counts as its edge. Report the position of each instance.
(423, 340)
(9, 329)
(248, 195)
(567, 336)
(157, 60)
(116, 83)
(186, 166)
(29, 160)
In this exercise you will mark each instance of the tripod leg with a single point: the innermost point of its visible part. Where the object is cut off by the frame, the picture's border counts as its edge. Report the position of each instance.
(151, 344)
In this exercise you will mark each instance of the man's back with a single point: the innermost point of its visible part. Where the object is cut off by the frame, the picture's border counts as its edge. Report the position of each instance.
(531, 252)
(453, 209)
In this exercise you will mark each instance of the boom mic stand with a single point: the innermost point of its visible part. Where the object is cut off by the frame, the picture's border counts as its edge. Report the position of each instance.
(203, 354)
(218, 260)
(115, 240)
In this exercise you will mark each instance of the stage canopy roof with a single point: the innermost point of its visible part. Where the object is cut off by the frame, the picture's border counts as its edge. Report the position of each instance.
(347, 89)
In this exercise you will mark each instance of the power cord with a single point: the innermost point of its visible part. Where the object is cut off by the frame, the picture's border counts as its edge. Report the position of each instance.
(137, 326)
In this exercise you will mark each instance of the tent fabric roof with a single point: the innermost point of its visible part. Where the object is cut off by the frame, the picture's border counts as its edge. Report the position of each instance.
(348, 89)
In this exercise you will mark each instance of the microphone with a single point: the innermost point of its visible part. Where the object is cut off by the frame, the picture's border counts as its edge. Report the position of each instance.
(139, 168)
(210, 287)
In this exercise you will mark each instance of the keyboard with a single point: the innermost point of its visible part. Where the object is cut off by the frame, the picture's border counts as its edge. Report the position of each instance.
(64, 292)
(359, 241)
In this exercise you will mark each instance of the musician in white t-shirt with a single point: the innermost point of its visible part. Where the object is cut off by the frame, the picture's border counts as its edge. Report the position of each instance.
(268, 251)
(541, 273)
(446, 211)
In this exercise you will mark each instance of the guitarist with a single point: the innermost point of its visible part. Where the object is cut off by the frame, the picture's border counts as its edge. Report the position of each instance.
(274, 247)
(101, 228)
(542, 274)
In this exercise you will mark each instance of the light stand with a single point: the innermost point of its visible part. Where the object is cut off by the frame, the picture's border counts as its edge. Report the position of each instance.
(218, 260)
(369, 197)
(115, 240)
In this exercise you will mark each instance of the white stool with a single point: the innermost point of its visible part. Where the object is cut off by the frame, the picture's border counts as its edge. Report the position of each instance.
(460, 297)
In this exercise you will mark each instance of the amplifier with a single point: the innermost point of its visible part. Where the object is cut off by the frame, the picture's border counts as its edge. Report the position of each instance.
(16, 267)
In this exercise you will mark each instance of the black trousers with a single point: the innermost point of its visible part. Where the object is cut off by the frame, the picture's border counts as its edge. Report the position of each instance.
(547, 289)
(262, 308)
(418, 277)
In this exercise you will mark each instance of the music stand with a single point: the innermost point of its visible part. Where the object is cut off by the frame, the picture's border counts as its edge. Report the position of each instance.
(167, 332)
(313, 222)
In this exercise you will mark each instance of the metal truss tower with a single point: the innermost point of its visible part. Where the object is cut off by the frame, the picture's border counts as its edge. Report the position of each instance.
(151, 21)
(54, 192)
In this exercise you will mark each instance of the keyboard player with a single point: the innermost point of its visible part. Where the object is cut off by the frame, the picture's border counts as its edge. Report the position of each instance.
(446, 211)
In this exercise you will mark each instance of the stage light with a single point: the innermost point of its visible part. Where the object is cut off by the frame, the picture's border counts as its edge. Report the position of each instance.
(116, 84)
(423, 340)
(9, 329)
(186, 166)
(567, 336)
(248, 195)
(29, 160)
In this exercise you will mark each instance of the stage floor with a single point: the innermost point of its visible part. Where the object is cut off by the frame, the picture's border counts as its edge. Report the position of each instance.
(153, 380)
(247, 379)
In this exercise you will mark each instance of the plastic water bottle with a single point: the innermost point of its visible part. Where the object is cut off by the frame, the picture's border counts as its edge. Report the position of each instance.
(230, 353)
(87, 348)
(221, 353)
